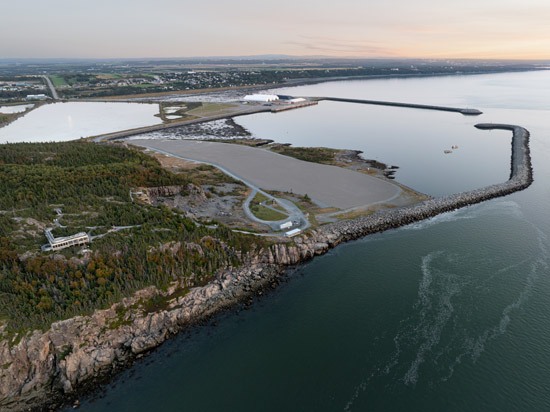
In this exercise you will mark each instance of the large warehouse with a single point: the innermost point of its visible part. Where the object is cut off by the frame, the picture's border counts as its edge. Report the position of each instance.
(261, 98)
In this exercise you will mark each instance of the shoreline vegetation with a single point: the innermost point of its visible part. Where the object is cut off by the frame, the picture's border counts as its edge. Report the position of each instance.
(57, 364)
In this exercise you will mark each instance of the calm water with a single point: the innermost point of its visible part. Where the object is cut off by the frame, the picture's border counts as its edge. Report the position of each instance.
(451, 314)
(68, 121)
(15, 109)
(414, 140)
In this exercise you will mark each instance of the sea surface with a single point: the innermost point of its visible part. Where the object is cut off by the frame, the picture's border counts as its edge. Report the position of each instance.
(449, 314)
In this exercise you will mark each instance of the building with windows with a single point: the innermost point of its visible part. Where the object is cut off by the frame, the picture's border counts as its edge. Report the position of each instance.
(36, 97)
(58, 243)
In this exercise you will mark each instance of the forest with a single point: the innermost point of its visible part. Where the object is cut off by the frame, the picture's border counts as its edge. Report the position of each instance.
(91, 184)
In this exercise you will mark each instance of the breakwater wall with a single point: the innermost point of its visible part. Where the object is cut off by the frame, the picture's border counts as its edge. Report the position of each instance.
(49, 368)
(521, 176)
(464, 111)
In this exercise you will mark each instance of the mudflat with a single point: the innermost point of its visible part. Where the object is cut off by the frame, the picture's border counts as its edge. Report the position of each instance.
(326, 185)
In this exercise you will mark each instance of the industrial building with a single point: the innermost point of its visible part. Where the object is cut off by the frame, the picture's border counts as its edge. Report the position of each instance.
(261, 98)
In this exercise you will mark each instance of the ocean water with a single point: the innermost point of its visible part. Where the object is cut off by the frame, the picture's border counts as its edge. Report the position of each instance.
(449, 314)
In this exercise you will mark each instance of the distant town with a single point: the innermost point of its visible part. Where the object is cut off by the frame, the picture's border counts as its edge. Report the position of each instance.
(28, 80)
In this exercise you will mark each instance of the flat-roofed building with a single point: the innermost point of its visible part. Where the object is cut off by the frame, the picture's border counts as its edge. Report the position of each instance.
(36, 97)
(261, 98)
(293, 232)
(58, 243)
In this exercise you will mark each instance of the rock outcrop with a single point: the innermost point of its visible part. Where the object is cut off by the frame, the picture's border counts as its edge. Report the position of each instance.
(47, 368)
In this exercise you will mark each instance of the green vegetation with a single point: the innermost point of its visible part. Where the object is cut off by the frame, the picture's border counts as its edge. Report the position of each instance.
(259, 198)
(309, 154)
(90, 183)
(58, 81)
(265, 213)
(210, 109)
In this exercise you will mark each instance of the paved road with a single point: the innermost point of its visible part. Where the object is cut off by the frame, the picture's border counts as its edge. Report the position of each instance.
(55, 96)
(293, 212)
(325, 185)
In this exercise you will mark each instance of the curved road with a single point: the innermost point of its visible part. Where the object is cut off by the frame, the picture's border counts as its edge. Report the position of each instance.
(293, 212)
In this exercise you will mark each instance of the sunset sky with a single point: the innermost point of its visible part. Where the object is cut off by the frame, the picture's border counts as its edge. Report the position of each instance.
(346, 28)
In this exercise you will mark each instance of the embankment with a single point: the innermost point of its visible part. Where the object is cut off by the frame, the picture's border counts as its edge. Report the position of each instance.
(464, 111)
(48, 368)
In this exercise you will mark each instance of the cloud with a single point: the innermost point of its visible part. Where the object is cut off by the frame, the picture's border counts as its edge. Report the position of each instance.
(342, 47)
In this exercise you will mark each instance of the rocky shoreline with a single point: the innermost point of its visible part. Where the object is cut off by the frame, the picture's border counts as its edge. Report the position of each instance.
(46, 370)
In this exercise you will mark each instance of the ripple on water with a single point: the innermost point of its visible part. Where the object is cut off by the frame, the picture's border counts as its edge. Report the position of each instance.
(457, 313)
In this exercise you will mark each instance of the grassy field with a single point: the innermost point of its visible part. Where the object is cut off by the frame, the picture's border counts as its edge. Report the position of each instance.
(108, 76)
(58, 81)
(210, 109)
(265, 213)
(309, 154)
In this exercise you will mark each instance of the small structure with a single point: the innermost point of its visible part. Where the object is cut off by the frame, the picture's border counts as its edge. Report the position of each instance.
(58, 243)
(293, 232)
(36, 97)
(285, 225)
(290, 99)
(261, 98)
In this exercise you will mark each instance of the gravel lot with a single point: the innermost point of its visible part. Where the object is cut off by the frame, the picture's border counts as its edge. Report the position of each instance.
(325, 185)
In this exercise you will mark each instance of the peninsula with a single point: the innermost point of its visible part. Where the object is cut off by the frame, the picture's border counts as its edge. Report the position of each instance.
(55, 363)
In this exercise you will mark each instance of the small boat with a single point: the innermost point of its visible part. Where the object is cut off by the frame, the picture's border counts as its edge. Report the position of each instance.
(447, 151)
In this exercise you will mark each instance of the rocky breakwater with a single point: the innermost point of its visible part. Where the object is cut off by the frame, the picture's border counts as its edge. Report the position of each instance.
(46, 369)
(521, 176)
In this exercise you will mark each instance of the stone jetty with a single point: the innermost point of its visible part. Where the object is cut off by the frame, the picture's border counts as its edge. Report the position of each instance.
(464, 111)
(46, 369)
(521, 176)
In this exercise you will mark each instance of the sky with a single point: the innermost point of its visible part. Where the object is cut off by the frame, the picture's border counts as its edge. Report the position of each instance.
(346, 28)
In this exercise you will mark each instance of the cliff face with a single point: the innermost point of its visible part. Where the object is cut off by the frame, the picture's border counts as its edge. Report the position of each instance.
(46, 366)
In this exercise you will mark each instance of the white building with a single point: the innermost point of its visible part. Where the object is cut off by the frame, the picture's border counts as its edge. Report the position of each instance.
(58, 243)
(293, 232)
(261, 98)
(297, 100)
(36, 97)
(286, 225)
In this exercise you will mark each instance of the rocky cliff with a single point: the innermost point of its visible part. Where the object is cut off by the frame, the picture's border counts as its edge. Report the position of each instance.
(46, 368)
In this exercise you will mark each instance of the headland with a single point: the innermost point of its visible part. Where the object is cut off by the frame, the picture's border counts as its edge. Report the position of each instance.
(40, 370)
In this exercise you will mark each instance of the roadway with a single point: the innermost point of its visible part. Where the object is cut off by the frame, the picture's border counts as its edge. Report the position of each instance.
(55, 96)
(293, 212)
